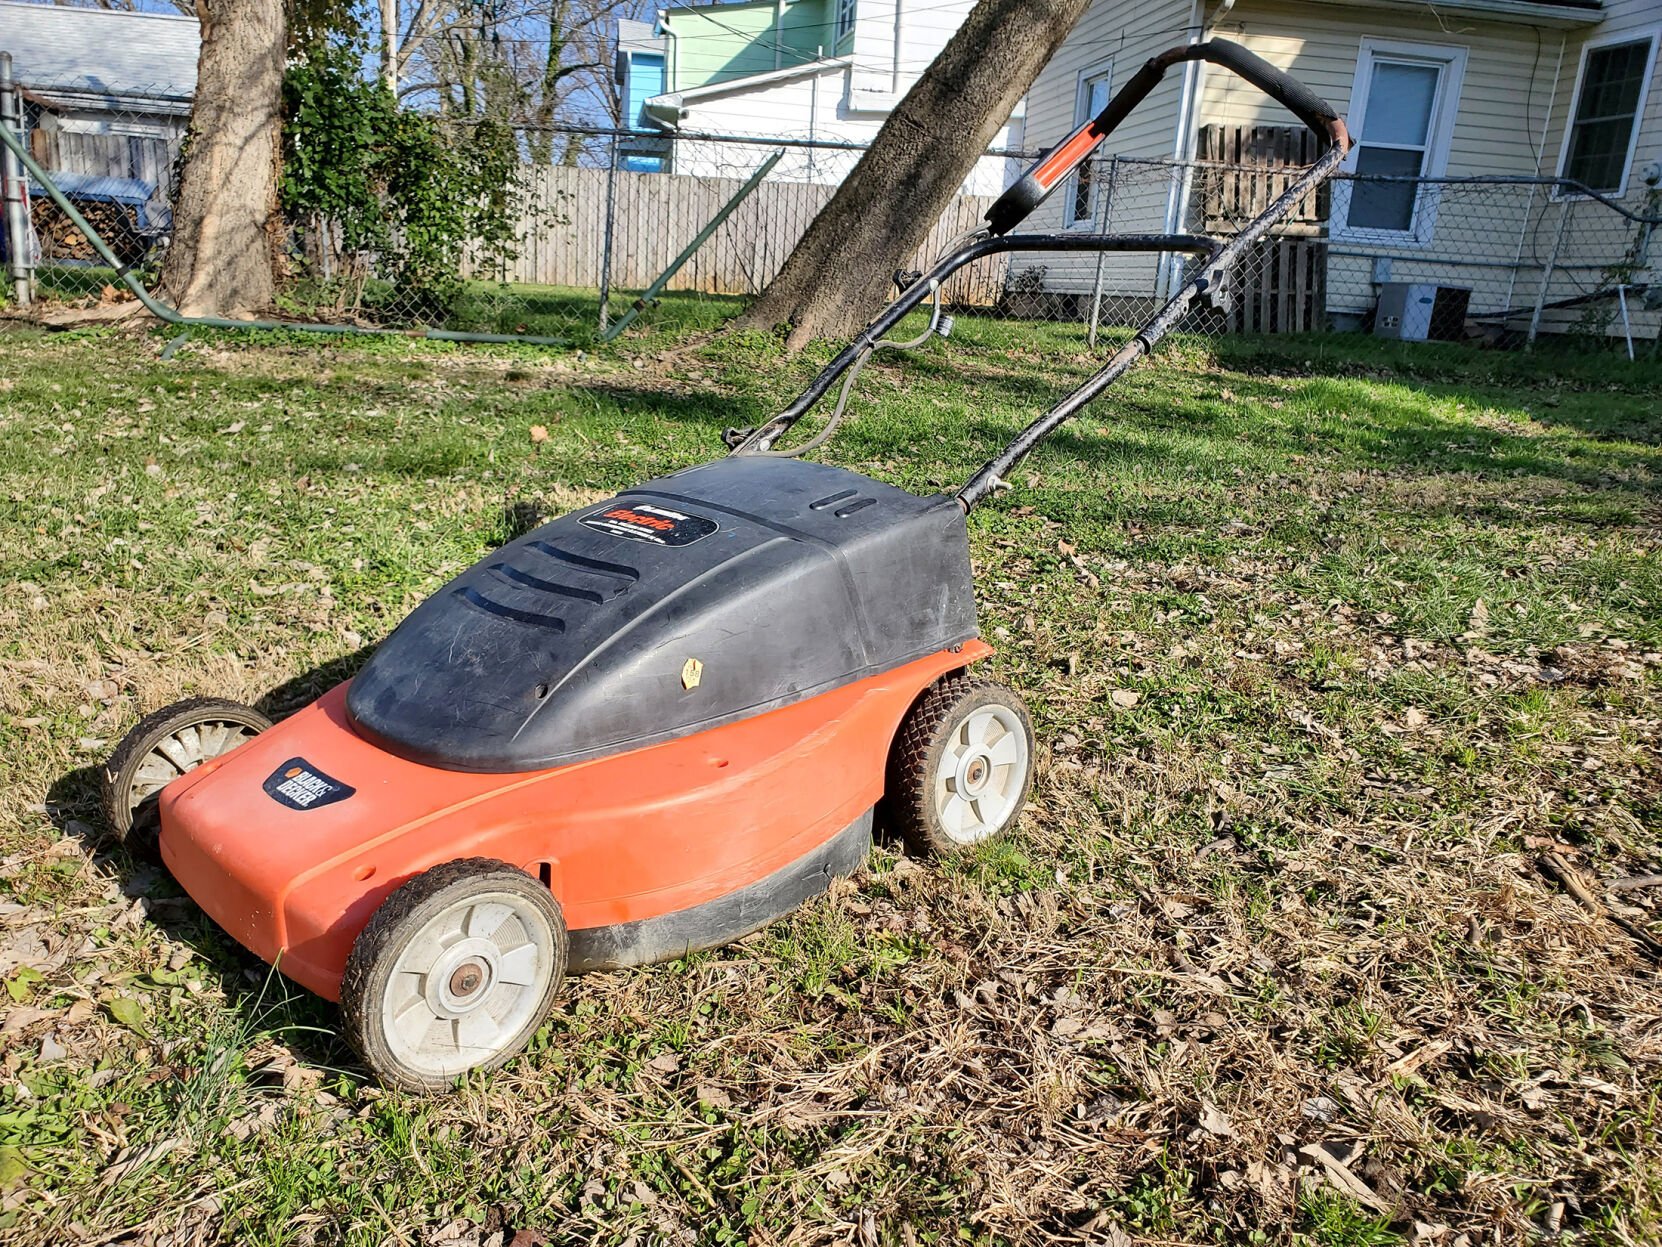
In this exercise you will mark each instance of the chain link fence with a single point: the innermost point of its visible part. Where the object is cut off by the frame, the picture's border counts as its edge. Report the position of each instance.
(698, 224)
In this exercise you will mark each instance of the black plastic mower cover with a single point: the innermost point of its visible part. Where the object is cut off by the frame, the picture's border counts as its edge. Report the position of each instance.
(1053, 168)
(690, 601)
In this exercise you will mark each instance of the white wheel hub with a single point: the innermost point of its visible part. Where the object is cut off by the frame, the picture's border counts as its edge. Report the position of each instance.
(982, 774)
(468, 983)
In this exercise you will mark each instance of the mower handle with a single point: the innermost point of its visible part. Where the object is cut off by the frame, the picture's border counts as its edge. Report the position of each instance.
(1053, 168)
(759, 438)
(1205, 281)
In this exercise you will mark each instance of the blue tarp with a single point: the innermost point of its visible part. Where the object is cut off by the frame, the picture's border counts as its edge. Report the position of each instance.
(136, 193)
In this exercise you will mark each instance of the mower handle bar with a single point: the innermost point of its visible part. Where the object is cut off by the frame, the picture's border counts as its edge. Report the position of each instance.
(1051, 169)
(1206, 281)
(762, 436)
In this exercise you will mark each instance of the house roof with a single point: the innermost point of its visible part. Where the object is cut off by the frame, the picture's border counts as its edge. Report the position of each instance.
(634, 34)
(100, 57)
(662, 107)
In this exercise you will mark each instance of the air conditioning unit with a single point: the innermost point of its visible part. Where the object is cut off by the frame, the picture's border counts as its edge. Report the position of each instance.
(1415, 311)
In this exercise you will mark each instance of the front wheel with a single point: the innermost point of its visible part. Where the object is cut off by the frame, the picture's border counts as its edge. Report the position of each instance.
(455, 972)
(960, 766)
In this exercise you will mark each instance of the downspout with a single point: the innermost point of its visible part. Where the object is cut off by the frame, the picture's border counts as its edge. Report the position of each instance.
(899, 43)
(1188, 109)
(813, 115)
(778, 34)
(1540, 155)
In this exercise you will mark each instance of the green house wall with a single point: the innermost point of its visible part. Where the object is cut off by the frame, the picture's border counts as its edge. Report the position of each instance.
(719, 42)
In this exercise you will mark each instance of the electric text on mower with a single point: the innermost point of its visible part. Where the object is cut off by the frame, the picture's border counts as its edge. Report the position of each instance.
(649, 727)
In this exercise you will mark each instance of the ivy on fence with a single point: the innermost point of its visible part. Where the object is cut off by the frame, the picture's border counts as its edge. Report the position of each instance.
(390, 203)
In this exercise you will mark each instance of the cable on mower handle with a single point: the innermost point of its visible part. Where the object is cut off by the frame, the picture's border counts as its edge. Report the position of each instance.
(1052, 169)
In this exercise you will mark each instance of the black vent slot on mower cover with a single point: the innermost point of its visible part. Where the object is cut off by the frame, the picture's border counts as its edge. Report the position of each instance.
(783, 579)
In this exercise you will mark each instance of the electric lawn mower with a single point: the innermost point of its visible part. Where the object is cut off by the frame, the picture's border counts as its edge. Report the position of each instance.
(649, 727)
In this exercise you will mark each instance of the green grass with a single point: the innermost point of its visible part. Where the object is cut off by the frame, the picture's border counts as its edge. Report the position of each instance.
(523, 309)
(1326, 640)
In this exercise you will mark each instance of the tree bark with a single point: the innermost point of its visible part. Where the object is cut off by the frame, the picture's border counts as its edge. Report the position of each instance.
(227, 232)
(841, 271)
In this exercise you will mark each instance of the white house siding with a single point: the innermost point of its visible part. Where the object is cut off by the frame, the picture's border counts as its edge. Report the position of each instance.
(1125, 33)
(812, 106)
(894, 42)
(1516, 95)
(1507, 97)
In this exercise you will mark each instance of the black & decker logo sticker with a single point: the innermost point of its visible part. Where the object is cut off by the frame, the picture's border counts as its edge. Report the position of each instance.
(642, 522)
(301, 786)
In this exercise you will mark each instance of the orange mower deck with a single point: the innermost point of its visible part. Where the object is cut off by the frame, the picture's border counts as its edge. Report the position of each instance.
(621, 841)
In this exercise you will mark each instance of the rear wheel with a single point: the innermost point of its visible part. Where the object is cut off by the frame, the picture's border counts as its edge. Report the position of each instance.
(173, 741)
(960, 766)
(455, 972)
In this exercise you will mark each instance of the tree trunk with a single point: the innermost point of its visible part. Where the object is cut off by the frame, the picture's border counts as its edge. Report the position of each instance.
(227, 232)
(842, 269)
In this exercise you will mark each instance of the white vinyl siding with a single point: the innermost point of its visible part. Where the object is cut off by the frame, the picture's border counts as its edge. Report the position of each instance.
(1501, 127)
(1505, 94)
(1403, 104)
(1129, 32)
(807, 106)
(894, 42)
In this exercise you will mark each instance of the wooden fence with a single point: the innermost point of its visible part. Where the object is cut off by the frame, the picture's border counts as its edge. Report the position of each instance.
(1242, 169)
(1280, 286)
(148, 157)
(562, 232)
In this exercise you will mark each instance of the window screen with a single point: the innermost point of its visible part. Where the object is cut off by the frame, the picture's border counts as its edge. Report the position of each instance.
(1606, 111)
(1396, 135)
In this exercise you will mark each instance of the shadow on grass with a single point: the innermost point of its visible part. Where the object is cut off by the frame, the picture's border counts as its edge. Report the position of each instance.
(264, 1000)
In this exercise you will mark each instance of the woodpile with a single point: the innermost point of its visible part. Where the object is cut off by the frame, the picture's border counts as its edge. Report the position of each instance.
(61, 239)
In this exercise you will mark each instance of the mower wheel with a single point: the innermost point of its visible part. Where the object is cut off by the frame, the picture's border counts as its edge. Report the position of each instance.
(960, 766)
(163, 746)
(455, 972)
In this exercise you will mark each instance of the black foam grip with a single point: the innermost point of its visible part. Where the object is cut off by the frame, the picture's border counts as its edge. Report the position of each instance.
(1012, 207)
(1019, 200)
(1280, 86)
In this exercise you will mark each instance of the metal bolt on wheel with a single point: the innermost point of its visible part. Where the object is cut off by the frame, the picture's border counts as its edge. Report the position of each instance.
(467, 984)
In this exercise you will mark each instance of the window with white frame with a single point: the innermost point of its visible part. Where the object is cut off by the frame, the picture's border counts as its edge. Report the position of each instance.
(845, 19)
(1609, 101)
(1090, 99)
(1402, 108)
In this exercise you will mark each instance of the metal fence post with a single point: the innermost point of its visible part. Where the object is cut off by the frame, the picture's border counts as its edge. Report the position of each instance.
(1546, 273)
(1107, 219)
(11, 191)
(606, 241)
